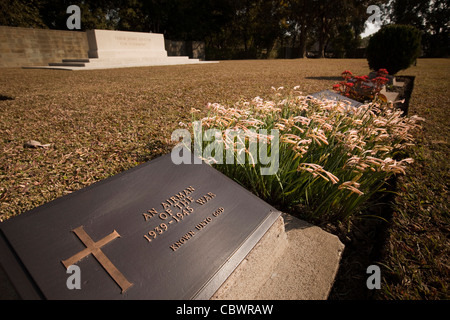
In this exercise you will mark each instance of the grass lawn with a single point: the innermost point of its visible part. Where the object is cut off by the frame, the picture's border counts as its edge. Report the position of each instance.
(102, 122)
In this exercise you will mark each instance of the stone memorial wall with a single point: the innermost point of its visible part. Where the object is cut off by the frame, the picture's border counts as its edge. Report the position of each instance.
(110, 44)
(27, 47)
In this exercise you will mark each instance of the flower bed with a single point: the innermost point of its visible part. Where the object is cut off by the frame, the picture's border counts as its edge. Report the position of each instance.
(361, 88)
(332, 157)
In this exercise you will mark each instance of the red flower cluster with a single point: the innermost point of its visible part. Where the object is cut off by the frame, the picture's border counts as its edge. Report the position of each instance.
(362, 78)
(361, 88)
(382, 72)
(346, 74)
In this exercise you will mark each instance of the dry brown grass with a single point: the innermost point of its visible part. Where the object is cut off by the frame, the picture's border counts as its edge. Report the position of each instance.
(417, 257)
(102, 122)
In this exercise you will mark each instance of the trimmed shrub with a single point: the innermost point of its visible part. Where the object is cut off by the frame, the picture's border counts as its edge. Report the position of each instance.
(394, 47)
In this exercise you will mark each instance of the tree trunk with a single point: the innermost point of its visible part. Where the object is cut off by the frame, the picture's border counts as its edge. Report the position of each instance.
(303, 41)
(322, 39)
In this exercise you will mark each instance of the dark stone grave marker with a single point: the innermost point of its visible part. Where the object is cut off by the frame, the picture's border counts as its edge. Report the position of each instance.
(157, 231)
(331, 95)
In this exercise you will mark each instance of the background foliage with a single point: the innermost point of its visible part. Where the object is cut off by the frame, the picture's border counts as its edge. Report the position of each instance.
(243, 28)
(394, 47)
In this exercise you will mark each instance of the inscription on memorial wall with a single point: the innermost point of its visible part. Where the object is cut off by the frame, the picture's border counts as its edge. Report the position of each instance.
(173, 211)
(133, 41)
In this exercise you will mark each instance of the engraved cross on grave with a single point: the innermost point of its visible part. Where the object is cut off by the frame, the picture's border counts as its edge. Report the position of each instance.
(94, 248)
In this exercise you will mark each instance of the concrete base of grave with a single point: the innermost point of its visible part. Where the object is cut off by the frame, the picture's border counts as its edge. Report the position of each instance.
(390, 95)
(293, 261)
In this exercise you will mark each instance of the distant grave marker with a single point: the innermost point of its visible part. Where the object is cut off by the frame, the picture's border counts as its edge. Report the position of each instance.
(331, 95)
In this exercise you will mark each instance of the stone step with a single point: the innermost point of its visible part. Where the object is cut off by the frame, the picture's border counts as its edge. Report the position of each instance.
(115, 61)
(111, 63)
(67, 64)
(75, 60)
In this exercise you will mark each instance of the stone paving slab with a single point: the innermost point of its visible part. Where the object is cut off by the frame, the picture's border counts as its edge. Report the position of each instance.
(295, 260)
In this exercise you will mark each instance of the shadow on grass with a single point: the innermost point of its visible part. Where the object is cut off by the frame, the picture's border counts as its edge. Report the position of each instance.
(405, 92)
(156, 148)
(3, 97)
(365, 244)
